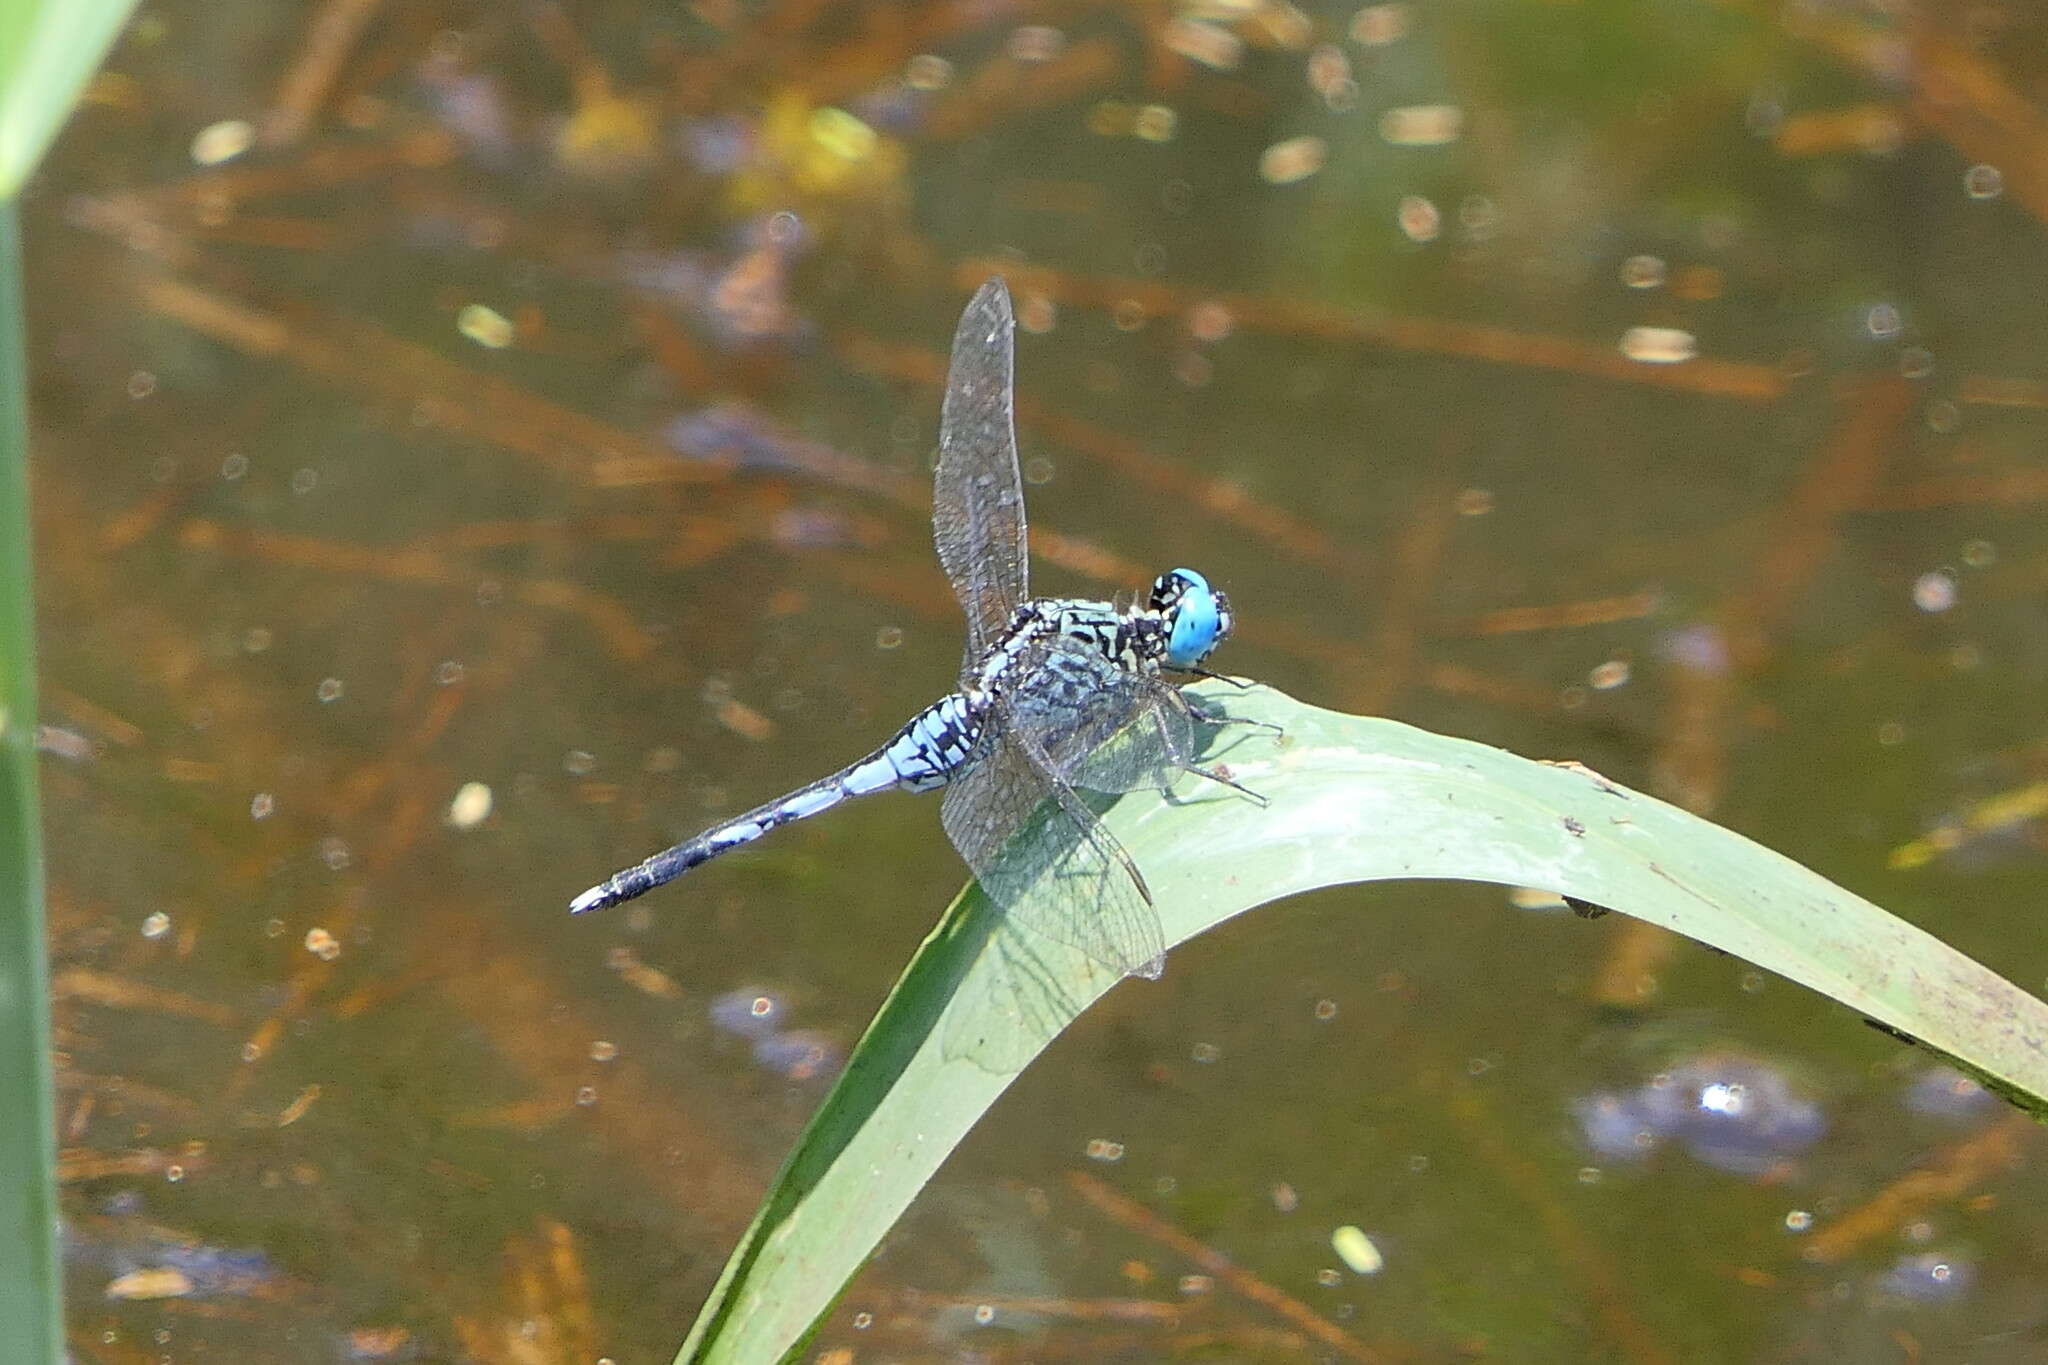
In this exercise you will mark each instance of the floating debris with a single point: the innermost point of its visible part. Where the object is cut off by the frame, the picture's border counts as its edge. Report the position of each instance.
(1357, 1251)
(471, 806)
(485, 326)
(225, 141)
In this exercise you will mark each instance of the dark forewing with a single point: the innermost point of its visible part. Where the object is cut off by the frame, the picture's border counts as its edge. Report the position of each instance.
(1045, 860)
(978, 495)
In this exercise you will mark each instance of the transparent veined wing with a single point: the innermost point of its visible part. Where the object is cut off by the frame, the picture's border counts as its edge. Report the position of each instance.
(978, 494)
(1101, 726)
(1045, 860)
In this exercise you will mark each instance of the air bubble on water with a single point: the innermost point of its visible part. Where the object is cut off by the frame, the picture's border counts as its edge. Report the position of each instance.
(1798, 1220)
(1983, 182)
(1659, 345)
(1036, 314)
(1422, 125)
(330, 689)
(261, 805)
(1883, 321)
(234, 466)
(927, 71)
(1378, 25)
(156, 925)
(141, 384)
(579, 762)
(1155, 123)
(1643, 272)
(1935, 591)
(1296, 159)
(1036, 43)
(1419, 219)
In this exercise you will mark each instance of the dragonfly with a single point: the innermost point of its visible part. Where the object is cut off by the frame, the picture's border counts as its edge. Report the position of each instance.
(1055, 696)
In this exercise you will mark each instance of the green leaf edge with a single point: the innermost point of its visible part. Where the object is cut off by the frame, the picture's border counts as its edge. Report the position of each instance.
(1350, 799)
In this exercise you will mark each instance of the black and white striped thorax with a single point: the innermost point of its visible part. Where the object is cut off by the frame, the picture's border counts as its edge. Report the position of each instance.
(1133, 638)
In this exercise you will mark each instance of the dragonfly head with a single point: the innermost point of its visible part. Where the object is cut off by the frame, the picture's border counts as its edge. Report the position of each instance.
(1196, 617)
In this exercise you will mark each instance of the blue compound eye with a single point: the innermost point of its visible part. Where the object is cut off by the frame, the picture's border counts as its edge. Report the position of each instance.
(1197, 621)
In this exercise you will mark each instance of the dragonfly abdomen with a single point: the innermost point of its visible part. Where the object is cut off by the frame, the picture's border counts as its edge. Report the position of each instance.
(924, 754)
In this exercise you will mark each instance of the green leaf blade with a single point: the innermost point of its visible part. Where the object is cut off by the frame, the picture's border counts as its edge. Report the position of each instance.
(47, 53)
(1348, 799)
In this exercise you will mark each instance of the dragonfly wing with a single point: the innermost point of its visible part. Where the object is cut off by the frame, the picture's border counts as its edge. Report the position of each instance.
(1045, 860)
(1102, 726)
(978, 494)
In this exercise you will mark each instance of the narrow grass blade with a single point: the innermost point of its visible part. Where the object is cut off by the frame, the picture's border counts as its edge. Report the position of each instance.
(1350, 799)
(30, 1307)
(48, 49)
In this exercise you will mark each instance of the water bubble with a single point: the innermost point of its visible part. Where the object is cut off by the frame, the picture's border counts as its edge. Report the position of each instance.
(1154, 123)
(141, 384)
(1883, 321)
(1934, 592)
(330, 689)
(1296, 159)
(1419, 219)
(1983, 182)
(1036, 43)
(1213, 46)
(261, 805)
(234, 466)
(1104, 1150)
(1659, 345)
(1608, 676)
(156, 925)
(1378, 25)
(927, 71)
(1422, 125)
(1643, 272)
(602, 1050)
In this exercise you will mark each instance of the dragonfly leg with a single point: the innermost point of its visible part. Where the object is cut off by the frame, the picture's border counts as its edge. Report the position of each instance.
(1200, 709)
(1223, 778)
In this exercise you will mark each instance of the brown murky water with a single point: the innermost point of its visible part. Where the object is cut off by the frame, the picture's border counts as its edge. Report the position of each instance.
(479, 444)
